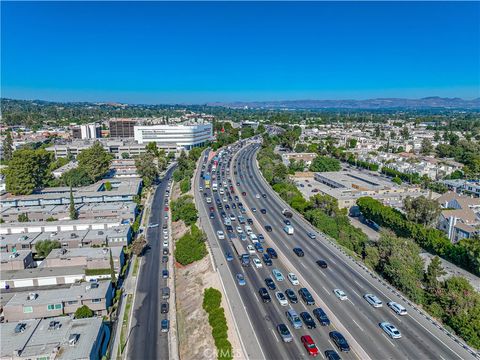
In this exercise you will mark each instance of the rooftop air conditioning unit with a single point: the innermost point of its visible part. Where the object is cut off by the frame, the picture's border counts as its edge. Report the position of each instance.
(32, 296)
(73, 339)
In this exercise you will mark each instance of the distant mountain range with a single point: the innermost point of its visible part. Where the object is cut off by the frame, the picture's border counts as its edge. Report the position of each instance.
(373, 104)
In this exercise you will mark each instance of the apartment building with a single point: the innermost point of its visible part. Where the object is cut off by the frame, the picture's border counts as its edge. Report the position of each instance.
(16, 260)
(54, 302)
(37, 277)
(61, 338)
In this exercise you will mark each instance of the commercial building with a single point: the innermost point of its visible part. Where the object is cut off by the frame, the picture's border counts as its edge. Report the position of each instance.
(174, 136)
(60, 338)
(57, 301)
(116, 147)
(307, 158)
(122, 128)
(87, 131)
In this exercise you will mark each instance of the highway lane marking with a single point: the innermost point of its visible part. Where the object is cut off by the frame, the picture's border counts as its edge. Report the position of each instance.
(275, 334)
(328, 292)
(357, 325)
(356, 293)
(386, 337)
(355, 281)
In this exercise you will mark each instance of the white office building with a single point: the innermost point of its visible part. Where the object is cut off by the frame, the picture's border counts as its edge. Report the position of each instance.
(180, 136)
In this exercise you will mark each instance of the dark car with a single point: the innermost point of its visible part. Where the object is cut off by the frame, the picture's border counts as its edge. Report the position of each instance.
(306, 296)
(287, 222)
(292, 297)
(234, 206)
(229, 228)
(272, 253)
(308, 320)
(249, 221)
(339, 340)
(259, 247)
(332, 355)
(270, 284)
(263, 211)
(164, 259)
(165, 274)
(244, 193)
(267, 260)
(165, 251)
(165, 325)
(321, 316)
(264, 196)
(264, 295)
(164, 308)
(322, 264)
(299, 252)
(212, 215)
(227, 206)
(268, 228)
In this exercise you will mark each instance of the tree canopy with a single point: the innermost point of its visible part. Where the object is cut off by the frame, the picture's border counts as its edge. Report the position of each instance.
(95, 161)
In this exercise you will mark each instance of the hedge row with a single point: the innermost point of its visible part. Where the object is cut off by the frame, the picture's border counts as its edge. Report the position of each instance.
(217, 320)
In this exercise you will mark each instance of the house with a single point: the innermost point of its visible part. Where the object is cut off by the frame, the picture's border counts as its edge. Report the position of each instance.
(36, 277)
(16, 260)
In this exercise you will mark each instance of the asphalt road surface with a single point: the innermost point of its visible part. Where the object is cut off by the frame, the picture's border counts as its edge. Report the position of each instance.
(146, 341)
(420, 338)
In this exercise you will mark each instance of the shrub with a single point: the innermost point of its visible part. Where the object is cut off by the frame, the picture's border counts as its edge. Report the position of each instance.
(217, 320)
(83, 312)
(191, 247)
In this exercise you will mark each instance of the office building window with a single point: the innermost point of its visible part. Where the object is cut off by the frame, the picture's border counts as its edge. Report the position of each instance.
(96, 301)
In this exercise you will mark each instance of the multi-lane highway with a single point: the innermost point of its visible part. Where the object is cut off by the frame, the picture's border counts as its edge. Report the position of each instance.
(420, 338)
(145, 340)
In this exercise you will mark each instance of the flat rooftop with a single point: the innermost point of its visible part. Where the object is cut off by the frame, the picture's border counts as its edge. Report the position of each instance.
(40, 272)
(87, 252)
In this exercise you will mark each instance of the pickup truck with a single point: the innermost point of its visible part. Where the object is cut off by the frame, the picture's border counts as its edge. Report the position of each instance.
(287, 213)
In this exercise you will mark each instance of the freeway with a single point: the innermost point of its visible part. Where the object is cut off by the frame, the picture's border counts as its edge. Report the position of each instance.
(421, 339)
(263, 317)
(145, 340)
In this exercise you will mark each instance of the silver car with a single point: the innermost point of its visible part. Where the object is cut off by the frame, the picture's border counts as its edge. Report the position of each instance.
(284, 333)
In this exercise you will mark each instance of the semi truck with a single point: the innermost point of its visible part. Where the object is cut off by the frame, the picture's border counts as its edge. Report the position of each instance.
(240, 250)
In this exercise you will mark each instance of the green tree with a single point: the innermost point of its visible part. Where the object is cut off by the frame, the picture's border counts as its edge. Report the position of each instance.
(75, 177)
(23, 217)
(404, 133)
(72, 209)
(185, 186)
(433, 273)
(324, 163)
(7, 147)
(108, 186)
(328, 204)
(247, 132)
(151, 148)
(43, 247)
(191, 246)
(421, 210)
(83, 312)
(125, 155)
(184, 209)
(352, 143)
(171, 156)
(260, 129)
(146, 168)
(113, 275)
(437, 136)
(427, 147)
(95, 161)
(28, 170)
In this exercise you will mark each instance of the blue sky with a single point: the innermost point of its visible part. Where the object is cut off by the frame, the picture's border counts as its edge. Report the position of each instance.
(157, 52)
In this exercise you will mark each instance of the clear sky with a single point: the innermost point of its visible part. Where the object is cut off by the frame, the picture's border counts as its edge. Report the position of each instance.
(158, 52)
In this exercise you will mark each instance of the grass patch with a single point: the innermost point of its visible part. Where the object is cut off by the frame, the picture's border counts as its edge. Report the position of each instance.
(126, 316)
(136, 264)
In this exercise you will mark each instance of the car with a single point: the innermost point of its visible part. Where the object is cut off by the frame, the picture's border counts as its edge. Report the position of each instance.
(257, 196)
(291, 296)
(282, 300)
(248, 229)
(321, 316)
(166, 208)
(293, 279)
(390, 330)
(340, 294)
(165, 251)
(259, 247)
(311, 235)
(234, 206)
(322, 264)
(152, 226)
(220, 235)
(299, 252)
(332, 355)
(241, 280)
(229, 228)
(251, 249)
(284, 333)
(272, 253)
(277, 275)
(165, 236)
(399, 309)
(165, 324)
(164, 308)
(308, 320)
(309, 345)
(264, 196)
(243, 237)
(339, 341)
(264, 295)
(249, 221)
(256, 261)
(165, 243)
(164, 259)
(373, 300)
(232, 217)
(227, 206)
(212, 215)
(209, 200)
(287, 222)
(267, 260)
(261, 238)
(268, 228)
(270, 284)
(239, 229)
(244, 193)
(228, 256)
(254, 209)
(306, 296)
(165, 274)
(263, 211)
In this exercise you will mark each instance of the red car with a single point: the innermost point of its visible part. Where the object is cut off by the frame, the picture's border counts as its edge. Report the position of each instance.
(166, 208)
(309, 345)
(212, 209)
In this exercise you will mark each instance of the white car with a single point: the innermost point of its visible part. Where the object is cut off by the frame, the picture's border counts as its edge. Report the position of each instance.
(257, 196)
(220, 235)
(399, 309)
(281, 298)
(248, 229)
(153, 225)
(165, 231)
(225, 199)
(209, 200)
(293, 279)
(165, 236)
(232, 217)
(390, 330)
(256, 261)
(200, 188)
(340, 294)
(165, 243)
(239, 230)
(251, 249)
(373, 300)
